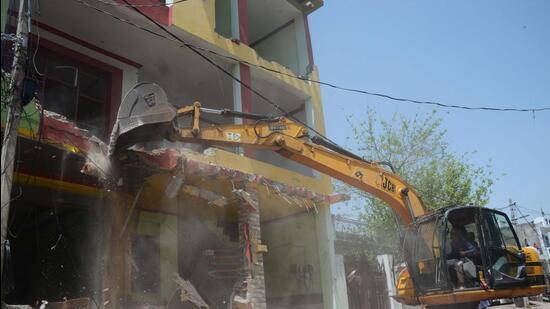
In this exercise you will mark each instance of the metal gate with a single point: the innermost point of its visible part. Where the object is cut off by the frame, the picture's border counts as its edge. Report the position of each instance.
(366, 283)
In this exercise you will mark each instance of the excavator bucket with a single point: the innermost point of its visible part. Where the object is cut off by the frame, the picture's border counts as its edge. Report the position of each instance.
(144, 115)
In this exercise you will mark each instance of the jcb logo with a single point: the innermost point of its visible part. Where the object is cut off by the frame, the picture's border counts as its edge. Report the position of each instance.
(233, 137)
(387, 184)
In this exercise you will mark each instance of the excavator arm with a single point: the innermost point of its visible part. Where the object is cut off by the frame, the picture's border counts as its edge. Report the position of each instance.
(291, 140)
(145, 114)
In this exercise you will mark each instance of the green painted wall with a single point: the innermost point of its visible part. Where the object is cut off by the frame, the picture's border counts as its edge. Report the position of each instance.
(287, 46)
(223, 18)
(290, 242)
(165, 226)
(30, 118)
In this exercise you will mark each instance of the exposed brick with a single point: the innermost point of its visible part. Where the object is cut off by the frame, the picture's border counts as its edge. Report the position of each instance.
(249, 236)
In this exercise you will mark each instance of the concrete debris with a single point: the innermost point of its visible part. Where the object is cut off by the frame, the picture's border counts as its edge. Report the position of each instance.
(176, 182)
(167, 159)
(58, 130)
(241, 303)
(239, 293)
(55, 116)
(77, 303)
(97, 163)
(43, 304)
(188, 294)
(213, 199)
(260, 248)
(246, 197)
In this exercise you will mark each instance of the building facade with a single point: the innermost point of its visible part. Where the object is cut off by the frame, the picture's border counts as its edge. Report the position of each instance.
(536, 234)
(247, 229)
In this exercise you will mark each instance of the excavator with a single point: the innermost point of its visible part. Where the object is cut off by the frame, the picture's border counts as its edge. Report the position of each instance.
(436, 275)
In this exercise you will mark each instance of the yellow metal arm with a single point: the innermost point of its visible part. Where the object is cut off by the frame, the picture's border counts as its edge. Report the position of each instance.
(288, 139)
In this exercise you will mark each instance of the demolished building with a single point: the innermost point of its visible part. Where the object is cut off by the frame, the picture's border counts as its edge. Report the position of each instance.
(216, 227)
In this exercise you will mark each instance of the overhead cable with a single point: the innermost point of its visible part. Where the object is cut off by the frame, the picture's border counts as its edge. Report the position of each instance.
(141, 5)
(195, 50)
(307, 79)
(531, 224)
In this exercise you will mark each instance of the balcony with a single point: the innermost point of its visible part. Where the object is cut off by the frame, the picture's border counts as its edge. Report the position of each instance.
(276, 30)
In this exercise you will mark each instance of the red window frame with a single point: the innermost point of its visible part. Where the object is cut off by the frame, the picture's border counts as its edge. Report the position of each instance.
(115, 87)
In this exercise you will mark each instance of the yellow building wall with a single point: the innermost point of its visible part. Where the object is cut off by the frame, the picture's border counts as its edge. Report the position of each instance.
(197, 17)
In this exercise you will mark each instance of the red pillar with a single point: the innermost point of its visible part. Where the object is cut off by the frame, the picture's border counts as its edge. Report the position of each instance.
(246, 78)
(243, 21)
(246, 94)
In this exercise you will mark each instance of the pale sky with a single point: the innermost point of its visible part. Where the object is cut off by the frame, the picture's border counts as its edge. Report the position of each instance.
(472, 53)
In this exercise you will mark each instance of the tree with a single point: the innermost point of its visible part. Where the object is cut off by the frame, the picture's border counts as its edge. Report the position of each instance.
(417, 148)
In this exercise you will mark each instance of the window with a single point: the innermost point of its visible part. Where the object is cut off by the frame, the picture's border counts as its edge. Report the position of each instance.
(507, 265)
(508, 238)
(75, 90)
(471, 234)
(424, 250)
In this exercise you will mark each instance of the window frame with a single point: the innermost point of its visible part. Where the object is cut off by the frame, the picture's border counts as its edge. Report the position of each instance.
(114, 84)
(81, 68)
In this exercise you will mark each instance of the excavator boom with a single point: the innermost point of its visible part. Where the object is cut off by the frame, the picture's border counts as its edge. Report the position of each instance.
(290, 140)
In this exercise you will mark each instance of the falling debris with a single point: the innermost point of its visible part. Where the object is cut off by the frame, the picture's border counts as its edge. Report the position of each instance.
(183, 161)
(187, 294)
(246, 197)
(176, 182)
(212, 198)
(77, 303)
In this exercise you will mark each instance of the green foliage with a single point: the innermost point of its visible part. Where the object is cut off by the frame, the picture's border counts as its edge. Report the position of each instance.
(417, 148)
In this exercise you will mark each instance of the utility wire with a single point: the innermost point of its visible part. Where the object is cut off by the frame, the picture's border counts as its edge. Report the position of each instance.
(530, 209)
(528, 222)
(137, 5)
(534, 211)
(195, 50)
(306, 79)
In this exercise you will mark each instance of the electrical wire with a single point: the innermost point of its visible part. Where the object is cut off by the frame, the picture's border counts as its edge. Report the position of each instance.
(530, 209)
(305, 79)
(528, 222)
(533, 211)
(36, 52)
(238, 80)
(347, 89)
(141, 5)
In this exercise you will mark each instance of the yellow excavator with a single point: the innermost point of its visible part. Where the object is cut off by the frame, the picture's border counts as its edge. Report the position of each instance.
(439, 273)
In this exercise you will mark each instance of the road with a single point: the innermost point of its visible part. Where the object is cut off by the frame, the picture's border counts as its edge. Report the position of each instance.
(534, 304)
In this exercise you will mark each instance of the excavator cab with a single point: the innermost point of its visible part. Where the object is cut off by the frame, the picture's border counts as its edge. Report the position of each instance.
(462, 249)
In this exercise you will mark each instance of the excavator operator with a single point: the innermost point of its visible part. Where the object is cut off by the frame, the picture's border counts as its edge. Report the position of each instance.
(461, 260)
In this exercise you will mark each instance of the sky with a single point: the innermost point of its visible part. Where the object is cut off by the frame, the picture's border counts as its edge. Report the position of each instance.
(471, 53)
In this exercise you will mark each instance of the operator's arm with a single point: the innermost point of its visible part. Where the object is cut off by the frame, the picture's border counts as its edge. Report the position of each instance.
(469, 250)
